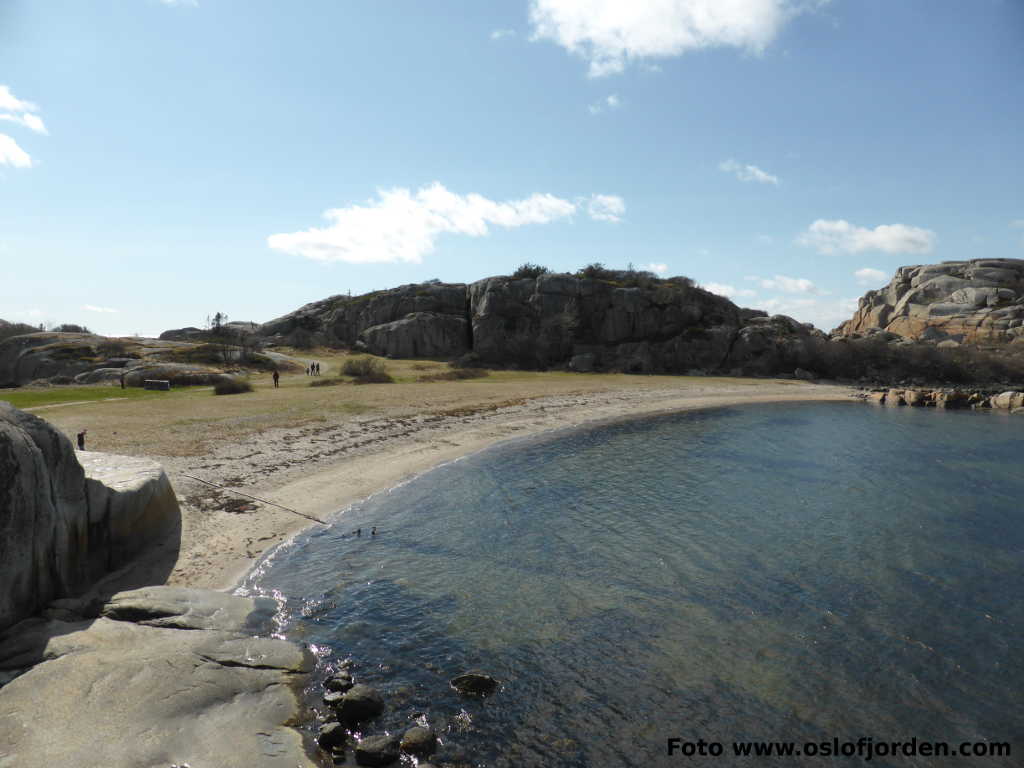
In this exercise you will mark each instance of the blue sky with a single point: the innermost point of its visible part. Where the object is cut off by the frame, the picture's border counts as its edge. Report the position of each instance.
(160, 161)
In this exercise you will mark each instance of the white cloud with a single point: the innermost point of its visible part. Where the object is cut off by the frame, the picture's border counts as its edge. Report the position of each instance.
(840, 236)
(608, 103)
(747, 172)
(824, 314)
(606, 207)
(869, 276)
(497, 34)
(92, 308)
(13, 155)
(611, 33)
(28, 120)
(10, 103)
(789, 284)
(656, 268)
(401, 226)
(729, 291)
(1017, 224)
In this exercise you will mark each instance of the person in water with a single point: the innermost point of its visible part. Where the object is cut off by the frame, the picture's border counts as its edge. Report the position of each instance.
(374, 531)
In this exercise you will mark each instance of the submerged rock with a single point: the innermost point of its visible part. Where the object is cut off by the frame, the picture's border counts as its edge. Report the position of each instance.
(419, 740)
(474, 684)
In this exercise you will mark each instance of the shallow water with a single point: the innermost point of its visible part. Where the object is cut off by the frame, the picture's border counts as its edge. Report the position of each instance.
(780, 572)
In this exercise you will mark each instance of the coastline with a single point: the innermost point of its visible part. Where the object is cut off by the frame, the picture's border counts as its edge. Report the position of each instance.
(322, 470)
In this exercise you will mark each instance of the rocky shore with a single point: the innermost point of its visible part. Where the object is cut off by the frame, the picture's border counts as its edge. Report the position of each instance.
(1010, 401)
(160, 676)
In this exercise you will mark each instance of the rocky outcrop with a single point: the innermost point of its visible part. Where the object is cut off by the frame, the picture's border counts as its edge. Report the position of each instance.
(975, 302)
(620, 321)
(666, 325)
(67, 519)
(434, 314)
(45, 354)
(164, 676)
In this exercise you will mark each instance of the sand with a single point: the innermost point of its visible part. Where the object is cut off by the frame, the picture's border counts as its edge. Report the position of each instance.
(319, 467)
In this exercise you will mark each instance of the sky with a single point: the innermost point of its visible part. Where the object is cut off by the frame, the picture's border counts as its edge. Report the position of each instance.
(163, 160)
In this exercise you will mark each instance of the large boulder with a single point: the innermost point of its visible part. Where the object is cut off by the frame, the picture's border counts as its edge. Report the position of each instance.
(767, 345)
(420, 334)
(978, 302)
(66, 525)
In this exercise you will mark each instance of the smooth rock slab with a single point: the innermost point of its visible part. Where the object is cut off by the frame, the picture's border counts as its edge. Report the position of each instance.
(118, 694)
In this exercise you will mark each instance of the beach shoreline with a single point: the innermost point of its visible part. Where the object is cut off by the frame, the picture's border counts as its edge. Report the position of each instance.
(324, 469)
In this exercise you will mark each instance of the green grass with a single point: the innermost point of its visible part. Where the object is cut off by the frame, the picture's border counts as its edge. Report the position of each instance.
(32, 398)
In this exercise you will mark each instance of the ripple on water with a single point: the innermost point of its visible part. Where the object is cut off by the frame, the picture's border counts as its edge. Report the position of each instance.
(785, 572)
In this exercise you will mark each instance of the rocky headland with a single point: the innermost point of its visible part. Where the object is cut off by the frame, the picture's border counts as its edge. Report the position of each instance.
(91, 675)
(980, 301)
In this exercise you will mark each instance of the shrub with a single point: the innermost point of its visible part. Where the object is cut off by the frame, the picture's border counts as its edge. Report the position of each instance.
(456, 374)
(366, 370)
(530, 270)
(597, 271)
(326, 382)
(231, 386)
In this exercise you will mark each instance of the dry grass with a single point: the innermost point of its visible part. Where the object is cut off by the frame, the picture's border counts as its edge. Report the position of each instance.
(170, 425)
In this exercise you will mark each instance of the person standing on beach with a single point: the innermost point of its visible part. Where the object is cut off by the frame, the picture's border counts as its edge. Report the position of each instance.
(81, 439)
(277, 378)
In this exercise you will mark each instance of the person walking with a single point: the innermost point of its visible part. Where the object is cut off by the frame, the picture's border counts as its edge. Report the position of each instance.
(277, 378)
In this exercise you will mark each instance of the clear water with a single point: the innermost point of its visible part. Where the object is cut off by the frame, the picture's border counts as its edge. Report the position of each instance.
(786, 572)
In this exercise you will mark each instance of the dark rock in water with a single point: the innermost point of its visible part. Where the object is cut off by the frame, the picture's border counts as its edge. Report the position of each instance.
(333, 698)
(377, 750)
(360, 702)
(331, 736)
(419, 741)
(474, 684)
(339, 682)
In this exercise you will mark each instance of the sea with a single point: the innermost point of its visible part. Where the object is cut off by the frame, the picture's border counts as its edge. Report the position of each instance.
(828, 579)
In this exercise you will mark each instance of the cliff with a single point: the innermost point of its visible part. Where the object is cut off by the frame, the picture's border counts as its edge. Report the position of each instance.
(624, 321)
(975, 302)
(64, 526)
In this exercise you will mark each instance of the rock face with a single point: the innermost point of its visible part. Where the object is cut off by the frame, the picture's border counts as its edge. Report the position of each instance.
(64, 525)
(428, 316)
(166, 676)
(552, 319)
(976, 302)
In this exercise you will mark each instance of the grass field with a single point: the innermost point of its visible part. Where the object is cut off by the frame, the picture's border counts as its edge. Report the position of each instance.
(186, 421)
(26, 397)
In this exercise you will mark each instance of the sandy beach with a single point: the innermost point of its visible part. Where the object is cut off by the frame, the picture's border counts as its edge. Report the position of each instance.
(316, 467)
